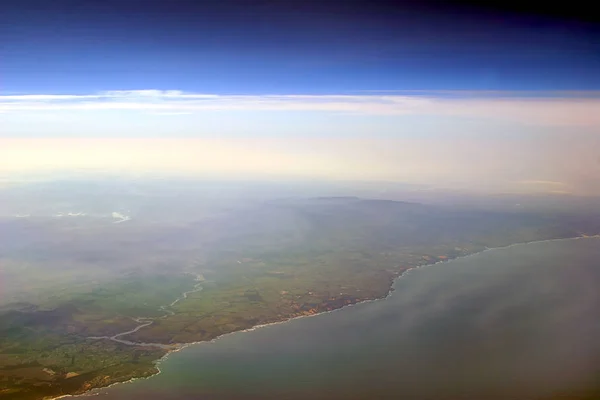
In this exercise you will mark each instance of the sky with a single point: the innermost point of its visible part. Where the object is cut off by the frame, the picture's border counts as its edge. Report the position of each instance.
(449, 94)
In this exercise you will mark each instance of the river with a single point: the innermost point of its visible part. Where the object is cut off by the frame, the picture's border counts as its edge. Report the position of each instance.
(514, 323)
(146, 321)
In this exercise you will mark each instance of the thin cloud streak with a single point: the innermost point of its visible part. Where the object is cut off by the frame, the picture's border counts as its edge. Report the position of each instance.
(545, 183)
(575, 109)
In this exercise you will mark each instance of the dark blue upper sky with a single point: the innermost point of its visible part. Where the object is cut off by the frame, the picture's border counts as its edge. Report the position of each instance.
(258, 46)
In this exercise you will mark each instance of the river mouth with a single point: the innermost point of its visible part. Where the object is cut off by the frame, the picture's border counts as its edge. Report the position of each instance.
(515, 323)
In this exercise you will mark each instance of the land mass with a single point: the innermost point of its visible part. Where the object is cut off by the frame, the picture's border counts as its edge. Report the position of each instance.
(196, 281)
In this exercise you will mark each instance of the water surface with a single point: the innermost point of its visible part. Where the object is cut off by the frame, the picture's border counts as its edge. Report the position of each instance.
(515, 323)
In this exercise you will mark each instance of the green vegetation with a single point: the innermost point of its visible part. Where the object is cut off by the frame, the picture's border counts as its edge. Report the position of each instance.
(43, 364)
(46, 351)
(265, 264)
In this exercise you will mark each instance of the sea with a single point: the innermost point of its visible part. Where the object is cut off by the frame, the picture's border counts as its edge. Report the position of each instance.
(521, 322)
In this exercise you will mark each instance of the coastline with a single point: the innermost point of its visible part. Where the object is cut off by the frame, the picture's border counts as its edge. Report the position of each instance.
(180, 346)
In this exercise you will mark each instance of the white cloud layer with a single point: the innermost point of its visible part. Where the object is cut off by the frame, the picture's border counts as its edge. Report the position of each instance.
(572, 109)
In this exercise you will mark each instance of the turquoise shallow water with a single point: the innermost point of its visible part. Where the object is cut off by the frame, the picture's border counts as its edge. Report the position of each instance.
(515, 323)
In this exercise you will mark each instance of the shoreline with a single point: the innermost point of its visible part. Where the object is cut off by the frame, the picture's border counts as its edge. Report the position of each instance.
(182, 346)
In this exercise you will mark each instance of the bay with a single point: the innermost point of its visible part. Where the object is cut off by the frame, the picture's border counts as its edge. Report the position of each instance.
(521, 322)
